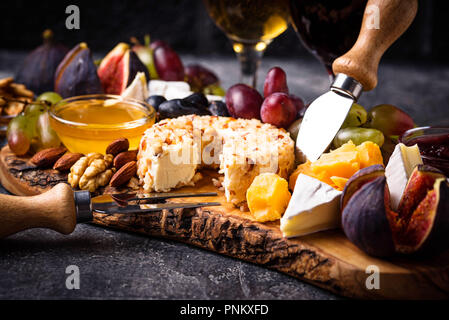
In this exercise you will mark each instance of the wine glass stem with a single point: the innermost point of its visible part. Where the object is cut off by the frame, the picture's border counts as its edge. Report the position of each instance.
(250, 58)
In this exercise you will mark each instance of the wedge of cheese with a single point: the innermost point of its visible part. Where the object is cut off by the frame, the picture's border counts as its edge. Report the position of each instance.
(314, 206)
(169, 89)
(400, 166)
(138, 89)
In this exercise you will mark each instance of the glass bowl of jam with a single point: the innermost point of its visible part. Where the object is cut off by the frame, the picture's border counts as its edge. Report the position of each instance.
(433, 143)
(90, 123)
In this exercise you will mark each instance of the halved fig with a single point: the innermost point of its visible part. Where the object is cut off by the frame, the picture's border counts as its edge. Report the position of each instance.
(364, 219)
(427, 229)
(119, 68)
(76, 74)
(360, 178)
(420, 226)
(421, 181)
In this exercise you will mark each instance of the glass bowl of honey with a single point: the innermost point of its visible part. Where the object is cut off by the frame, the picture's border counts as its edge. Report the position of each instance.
(90, 123)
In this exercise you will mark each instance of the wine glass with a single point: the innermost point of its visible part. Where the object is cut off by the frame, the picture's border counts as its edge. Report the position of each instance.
(251, 25)
(327, 28)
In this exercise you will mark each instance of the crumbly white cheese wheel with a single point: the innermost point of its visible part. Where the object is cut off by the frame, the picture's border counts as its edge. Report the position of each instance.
(173, 150)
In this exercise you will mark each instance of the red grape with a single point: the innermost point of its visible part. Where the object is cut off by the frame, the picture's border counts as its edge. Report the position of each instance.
(18, 143)
(243, 101)
(169, 66)
(199, 77)
(18, 136)
(158, 43)
(299, 105)
(275, 81)
(278, 109)
(389, 119)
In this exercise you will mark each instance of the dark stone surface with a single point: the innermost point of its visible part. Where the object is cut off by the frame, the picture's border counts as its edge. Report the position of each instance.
(121, 265)
(126, 266)
(104, 23)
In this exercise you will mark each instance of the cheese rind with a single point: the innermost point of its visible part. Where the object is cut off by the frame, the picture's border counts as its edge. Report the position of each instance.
(314, 206)
(400, 166)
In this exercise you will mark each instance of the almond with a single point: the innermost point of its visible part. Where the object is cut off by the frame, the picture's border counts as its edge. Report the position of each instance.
(5, 82)
(47, 157)
(67, 161)
(118, 146)
(123, 158)
(123, 175)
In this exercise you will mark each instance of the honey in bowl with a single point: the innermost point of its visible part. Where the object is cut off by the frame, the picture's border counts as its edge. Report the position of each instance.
(90, 123)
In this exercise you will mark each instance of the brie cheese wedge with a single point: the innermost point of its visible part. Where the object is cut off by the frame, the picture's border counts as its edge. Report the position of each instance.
(138, 89)
(169, 89)
(400, 166)
(314, 206)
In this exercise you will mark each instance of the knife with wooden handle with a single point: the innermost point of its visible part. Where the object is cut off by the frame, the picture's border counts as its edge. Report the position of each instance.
(61, 208)
(355, 71)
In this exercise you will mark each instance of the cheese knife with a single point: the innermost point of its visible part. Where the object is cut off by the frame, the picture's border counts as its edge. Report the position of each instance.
(61, 208)
(356, 71)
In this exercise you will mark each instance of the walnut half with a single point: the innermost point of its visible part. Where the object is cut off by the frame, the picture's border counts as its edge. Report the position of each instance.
(91, 172)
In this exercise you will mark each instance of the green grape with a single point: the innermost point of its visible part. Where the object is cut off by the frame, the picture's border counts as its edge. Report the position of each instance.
(358, 136)
(214, 89)
(18, 135)
(35, 109)
(46, 135)
(356, 117)
(32, 112)
(51, 97)
(145, 54)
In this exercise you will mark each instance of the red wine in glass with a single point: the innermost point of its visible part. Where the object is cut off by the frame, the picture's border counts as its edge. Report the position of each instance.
(327, 28)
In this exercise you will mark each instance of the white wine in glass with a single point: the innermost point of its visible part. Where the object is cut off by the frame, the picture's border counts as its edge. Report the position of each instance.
(251, 25)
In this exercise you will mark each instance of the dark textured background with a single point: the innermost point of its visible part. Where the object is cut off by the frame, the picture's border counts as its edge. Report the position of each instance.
(187, 27)
(117, 265)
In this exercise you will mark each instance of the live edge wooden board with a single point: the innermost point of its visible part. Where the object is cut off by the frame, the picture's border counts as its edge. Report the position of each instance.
(325, 259)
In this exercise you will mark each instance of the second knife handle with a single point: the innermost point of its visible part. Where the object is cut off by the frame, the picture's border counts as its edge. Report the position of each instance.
(54, 209)
(383, 23)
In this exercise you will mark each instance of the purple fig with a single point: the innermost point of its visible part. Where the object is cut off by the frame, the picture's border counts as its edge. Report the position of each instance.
(420, 226)
(37, 72)
(361, 177)
(365, 222)
(76, 74)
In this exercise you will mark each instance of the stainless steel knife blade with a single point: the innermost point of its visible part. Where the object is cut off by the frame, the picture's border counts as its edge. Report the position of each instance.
(110, 208)
(325, 116)
(142, 203)
(321, 123)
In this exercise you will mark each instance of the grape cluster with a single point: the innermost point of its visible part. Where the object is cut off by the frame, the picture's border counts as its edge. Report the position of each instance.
(277, 107)
(31, 129)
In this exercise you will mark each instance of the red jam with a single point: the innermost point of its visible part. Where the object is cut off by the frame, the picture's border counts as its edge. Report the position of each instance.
(433, 144)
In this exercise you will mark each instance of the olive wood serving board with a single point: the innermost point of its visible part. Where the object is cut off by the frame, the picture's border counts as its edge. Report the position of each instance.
(325, 259)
